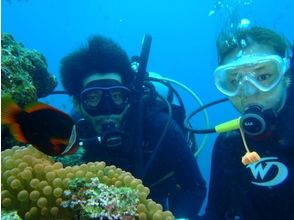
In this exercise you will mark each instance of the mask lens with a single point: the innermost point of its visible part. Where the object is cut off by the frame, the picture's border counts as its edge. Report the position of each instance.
(105, 100)
(267, 74)
(262, 72)
(119, 95)
(91, 98)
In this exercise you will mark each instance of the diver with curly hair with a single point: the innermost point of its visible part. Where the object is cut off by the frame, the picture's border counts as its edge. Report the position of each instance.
(101, 81)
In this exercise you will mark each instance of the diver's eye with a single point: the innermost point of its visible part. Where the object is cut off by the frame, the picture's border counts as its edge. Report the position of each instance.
(117, 97)
(263, 77)
(234, 78)
(234, 82)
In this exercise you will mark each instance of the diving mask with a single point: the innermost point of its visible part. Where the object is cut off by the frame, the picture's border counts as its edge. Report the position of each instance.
(262, 72)
(104, 97)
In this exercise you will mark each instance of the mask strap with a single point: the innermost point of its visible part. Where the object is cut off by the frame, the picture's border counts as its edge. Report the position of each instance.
(249, 157)
(287, 57)
(288, 52)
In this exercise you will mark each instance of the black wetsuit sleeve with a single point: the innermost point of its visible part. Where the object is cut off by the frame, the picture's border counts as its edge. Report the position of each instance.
(186, 188)
(224, 166)
(218, 185)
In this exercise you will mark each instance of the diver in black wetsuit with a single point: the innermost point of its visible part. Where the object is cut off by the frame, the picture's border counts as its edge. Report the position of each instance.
(255, 75)
(152, 146)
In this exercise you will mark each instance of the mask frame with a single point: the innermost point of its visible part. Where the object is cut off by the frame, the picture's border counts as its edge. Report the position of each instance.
(106, 103)
(230, 81)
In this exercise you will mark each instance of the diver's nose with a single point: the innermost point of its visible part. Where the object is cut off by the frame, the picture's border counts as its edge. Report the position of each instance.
(247, 89)
(108, 107)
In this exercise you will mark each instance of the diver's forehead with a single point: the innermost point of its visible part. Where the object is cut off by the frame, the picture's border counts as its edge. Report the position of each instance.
(254, 49)
(101, 76)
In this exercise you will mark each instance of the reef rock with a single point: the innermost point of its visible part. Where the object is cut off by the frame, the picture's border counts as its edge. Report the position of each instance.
(24, 72)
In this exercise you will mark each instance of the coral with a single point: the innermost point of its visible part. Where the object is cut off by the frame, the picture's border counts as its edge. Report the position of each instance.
(72, 159)
(23, 72)
(30, 184)
(36, 186)
(9, 215)
(92, 199)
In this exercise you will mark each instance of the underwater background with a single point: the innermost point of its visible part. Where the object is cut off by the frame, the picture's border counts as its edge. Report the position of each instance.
(183, 45)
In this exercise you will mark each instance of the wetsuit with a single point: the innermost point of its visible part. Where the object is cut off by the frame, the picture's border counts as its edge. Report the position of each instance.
(173, 175)
(264, 191)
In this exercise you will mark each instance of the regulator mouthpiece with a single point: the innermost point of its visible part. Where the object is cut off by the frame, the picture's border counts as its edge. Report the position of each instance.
(253, 121)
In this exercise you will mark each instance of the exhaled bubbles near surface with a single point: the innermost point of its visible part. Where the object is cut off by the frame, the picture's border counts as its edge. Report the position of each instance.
(227, 5)
(230, 19)
(229, 12)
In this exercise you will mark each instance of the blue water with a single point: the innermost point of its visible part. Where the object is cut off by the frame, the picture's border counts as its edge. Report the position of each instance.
(183, 46)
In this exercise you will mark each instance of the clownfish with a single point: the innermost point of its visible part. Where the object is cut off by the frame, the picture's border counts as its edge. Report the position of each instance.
(48, 129)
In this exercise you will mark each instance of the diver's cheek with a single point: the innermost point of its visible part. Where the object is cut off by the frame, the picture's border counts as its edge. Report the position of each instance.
(276, 99)
(241, 101)
(236, 102)
(99, 121)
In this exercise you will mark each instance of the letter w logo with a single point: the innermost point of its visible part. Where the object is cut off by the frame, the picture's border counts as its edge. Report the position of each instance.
(257, 169)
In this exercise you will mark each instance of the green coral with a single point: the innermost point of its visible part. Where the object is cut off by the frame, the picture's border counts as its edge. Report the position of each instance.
(72, 159)
(93, 200)
(24, 72)
(9, 215)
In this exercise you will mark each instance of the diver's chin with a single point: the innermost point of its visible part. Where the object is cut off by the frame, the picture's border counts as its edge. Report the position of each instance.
(103, 121)
(247, 106)
(100, 121)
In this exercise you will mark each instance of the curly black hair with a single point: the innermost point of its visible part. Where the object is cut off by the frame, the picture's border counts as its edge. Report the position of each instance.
(100, 55)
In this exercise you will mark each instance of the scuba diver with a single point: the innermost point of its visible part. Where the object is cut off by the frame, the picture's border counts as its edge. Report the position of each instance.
(121, 119)
(254, 73)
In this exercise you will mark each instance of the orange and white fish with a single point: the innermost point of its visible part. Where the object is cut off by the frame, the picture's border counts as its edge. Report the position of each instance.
(48, 129)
